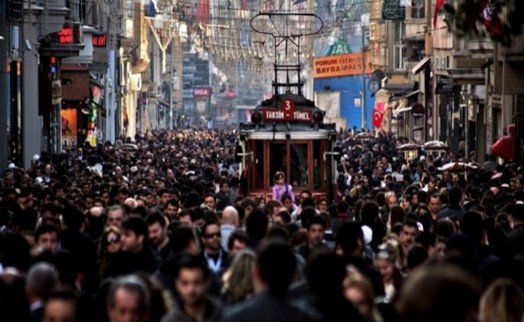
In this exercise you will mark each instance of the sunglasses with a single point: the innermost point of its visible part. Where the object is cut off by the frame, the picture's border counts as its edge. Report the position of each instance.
(113, 240)
(218, 235)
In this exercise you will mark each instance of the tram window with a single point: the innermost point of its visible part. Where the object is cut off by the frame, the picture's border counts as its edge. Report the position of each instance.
(317, 177)
(258, 181)
(299, 164)
(277, 160)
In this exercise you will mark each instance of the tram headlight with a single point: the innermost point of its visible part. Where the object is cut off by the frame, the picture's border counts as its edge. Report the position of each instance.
(318, 116)
(256, 117)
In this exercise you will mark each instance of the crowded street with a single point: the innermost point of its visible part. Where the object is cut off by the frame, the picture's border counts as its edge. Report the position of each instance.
(161, 229)
(261, 161)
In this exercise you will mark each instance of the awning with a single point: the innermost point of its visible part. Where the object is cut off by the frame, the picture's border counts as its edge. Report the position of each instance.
(420, 65)
(401, 109)
(412, 93)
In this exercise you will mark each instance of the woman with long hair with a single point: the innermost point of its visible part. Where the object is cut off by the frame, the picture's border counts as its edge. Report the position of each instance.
(386, 263)
(359, 291)
(238, 284)
(502, 301)
(108, 246)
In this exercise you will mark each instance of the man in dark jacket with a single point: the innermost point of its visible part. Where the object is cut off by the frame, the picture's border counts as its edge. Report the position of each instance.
(192, 278)
(271, 284)
(135, 255)
(315, 228)
(325, 273)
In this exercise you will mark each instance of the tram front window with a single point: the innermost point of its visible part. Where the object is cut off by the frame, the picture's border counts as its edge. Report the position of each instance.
(277, 160)
(299, 165)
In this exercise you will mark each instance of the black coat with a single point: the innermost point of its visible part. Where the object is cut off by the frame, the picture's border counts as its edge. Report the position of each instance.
(265, 307)
(126, 263)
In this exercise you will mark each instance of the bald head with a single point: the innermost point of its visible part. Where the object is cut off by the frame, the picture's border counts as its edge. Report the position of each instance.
(230, 216)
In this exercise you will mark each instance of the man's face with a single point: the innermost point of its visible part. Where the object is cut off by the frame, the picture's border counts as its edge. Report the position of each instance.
(48, 241)
(288, 203)
(121, 197)
(238, 246)
(210, 203)
(191, 286)
(60, 193)
(407, 235)
(165, 198)
(171, 211)
(434, 205)
(315, 234)
(224, 187)
(59, 311)
(186, 220)
(115, 218)
(150, 201)
(157, 234)
(131, 242)
(126, 307)
(211, 238)
(392, 201)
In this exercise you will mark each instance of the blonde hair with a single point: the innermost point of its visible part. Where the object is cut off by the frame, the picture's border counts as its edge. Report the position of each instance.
(502, 301)
(356, 280)
(238, 283)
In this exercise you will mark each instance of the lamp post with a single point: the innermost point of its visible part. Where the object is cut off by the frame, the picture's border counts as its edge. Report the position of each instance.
(364, 20)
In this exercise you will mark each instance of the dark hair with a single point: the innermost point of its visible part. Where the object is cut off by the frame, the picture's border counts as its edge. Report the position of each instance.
(348, 236)
(410, 223)
(73, 218)
(416, 256)
(286, 217)
(278, 231)
(308, 202)
(46, 228)
(277, 277)
(325, 273)
(369, 213)
(197, 213)
(154, 218)
(193, 262)
(426, 239)
(137, 225)
(181, 237)
(306, 215)
(239, 235)
(173, 202)
(316, 220)
(256, 225)
(472, 225)
(207, 224)
(455, 196)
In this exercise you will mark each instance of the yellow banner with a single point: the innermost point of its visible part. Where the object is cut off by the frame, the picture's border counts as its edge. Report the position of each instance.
(340, 65)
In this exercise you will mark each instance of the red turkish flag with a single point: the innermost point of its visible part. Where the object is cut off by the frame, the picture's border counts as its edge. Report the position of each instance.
(378, 114)
(438, 6)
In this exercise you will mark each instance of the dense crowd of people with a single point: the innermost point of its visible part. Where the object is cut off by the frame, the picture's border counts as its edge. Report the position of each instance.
(160, 228)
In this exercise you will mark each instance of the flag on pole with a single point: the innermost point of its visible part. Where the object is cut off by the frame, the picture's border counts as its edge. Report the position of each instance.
(438, 6)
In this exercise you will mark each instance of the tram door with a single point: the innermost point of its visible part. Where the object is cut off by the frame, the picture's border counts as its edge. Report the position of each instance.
(301, 161)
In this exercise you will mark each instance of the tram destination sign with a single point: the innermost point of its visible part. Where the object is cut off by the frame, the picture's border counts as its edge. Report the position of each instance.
(278, 115)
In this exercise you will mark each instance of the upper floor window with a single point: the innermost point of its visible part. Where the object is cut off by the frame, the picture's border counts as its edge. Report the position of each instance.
(399, 50)
(418, 9)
